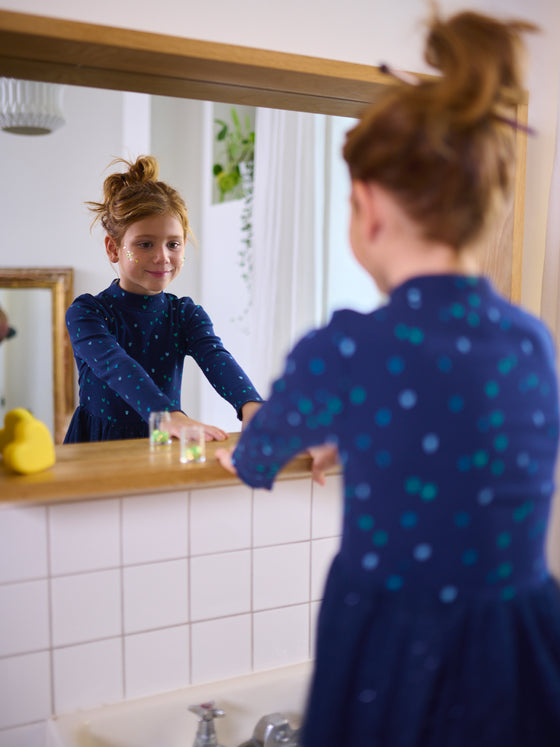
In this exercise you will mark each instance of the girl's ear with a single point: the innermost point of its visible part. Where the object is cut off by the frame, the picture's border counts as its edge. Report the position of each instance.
(364, 196)
(112, 249)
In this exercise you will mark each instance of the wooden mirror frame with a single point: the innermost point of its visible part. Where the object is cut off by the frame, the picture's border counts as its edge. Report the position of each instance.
(59, 280)
(59, 51)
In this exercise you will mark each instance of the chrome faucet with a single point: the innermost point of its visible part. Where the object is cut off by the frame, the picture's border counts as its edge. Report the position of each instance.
(206, 732)
(274, 730)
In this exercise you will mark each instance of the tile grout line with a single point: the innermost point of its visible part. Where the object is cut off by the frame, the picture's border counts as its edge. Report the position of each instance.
(309, 618)
(121, 577)
(189, 589)
(251, 579)
(50, 606)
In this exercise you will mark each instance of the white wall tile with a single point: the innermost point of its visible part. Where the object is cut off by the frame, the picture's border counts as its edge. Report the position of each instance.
(155, 595)
(88, 675)
(281, 637)
(327, 506)
(84, 536)
(220, 519)
(155, 527)
(86, 606)
(322, 554)
(23, 544)
(24, 736)
(282, 515)
(26, 689)
(220, 584)
(24, 620)
(281, 575)
(221, 648)
(156, 661)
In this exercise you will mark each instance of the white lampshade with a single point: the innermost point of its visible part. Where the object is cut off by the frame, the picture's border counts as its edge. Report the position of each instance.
(30, 107)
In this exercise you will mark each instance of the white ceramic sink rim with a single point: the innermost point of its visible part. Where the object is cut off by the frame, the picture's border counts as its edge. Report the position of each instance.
(164, 719)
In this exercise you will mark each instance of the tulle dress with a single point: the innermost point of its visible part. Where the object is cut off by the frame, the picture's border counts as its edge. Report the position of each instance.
(440, 623)
(130, 351)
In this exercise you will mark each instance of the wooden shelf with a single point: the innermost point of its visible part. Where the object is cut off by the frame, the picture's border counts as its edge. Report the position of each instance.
(119, 468)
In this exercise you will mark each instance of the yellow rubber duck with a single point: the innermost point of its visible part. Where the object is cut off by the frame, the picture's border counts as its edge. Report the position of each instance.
(26, 443)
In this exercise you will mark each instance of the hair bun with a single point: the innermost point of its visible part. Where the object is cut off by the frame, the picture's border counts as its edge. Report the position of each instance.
(144, 169)
(478, 57)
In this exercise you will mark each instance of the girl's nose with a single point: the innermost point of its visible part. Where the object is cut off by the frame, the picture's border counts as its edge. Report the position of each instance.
(160, 254)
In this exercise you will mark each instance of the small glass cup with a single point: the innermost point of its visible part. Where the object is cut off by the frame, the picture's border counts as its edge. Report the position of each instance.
(159, 429)
(192, 444)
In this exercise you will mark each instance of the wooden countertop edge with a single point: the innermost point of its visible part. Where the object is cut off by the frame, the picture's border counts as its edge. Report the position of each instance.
(123, 468)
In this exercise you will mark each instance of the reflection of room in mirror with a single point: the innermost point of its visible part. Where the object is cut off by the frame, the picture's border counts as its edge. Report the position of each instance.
(104, 124)
(26, 363)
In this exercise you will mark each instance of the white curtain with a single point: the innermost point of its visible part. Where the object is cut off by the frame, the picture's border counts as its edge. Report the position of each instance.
(287, 236)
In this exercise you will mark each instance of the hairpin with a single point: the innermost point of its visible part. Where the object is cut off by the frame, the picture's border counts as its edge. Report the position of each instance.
(401, 75)
(515, 124)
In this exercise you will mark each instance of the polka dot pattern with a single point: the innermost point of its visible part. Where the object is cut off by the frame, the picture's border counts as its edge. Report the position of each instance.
(130, 351)
(443, 404)
(446, 419)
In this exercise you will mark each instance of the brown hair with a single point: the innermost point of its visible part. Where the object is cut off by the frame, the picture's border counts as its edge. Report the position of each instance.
(443, 147)
(134, 195)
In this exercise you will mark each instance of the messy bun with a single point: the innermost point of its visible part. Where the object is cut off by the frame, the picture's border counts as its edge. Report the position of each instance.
(445, 147)
(135, 194)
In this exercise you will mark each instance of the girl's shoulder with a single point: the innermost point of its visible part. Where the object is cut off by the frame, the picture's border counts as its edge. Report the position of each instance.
(345, 333)
(89, 302)
(188, 309)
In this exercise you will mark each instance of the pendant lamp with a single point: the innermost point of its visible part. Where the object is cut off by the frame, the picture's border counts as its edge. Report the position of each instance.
(30, 107)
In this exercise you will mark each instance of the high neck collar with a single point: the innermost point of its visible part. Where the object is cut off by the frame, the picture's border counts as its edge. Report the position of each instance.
(136, 301)
(444, 285)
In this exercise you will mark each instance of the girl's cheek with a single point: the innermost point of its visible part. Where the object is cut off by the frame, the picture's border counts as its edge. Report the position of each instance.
(130, 256)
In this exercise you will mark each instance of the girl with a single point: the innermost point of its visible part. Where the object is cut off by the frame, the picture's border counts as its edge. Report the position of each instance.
(440, 622)
(131, 339)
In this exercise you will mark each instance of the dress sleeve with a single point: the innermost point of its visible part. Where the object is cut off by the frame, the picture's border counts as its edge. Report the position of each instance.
(305, 409)
(94, 342)
(216, 363)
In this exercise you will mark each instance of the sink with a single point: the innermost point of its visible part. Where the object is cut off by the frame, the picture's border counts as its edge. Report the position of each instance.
(164, 719)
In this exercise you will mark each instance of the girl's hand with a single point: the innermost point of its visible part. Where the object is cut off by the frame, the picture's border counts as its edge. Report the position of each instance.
(180, 420)
(224, 458)
(247, 412)
(323, 458)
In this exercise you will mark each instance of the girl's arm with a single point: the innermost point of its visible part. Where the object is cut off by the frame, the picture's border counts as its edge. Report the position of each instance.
(304, 412)
(218, 365)
(323, 458)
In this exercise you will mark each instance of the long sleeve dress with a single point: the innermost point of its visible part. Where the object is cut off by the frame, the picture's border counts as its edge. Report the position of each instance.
(440, 622)
(130, 351)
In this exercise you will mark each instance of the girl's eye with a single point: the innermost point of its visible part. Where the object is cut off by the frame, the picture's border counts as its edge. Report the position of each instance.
(145, 244)
(174, 245)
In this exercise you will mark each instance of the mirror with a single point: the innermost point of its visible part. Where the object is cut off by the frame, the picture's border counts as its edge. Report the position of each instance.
(48, 49)
(58, 281)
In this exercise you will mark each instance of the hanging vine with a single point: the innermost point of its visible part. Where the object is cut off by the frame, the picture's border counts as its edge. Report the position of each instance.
(234, 175)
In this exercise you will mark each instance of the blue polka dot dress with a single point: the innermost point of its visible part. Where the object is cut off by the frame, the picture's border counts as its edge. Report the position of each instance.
(130, 351)
(440, 623)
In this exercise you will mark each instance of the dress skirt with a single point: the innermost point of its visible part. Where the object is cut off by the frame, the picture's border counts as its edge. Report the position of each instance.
(412, 670)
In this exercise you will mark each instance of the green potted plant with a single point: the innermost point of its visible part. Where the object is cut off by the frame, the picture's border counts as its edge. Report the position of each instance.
(238, 155)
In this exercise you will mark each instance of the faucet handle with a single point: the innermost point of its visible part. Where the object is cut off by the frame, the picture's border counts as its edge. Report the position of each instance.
(206, 731)
(274, 730)
(207, 711)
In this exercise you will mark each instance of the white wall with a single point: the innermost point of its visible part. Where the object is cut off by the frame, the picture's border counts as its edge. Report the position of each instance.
(363, 31)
